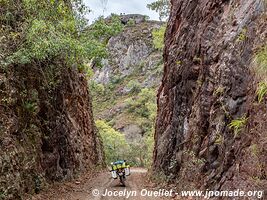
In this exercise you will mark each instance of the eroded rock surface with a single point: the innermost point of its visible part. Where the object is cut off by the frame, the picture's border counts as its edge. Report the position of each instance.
(132, 52)
(133, 64)
(209, 81)
(47, 132)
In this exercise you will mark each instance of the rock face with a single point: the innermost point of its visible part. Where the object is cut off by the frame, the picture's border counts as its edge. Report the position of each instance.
(134, 63)
(208, 82)
(136, 18)
(47, 132)
(130, 51)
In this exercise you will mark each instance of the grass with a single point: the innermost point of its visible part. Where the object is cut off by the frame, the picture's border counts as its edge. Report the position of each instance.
(261, 59)
(261, 91)
(219, 139)
(261, 70)
(238, 124)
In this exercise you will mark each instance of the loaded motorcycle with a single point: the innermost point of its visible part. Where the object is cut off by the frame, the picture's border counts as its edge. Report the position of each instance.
(120, 169)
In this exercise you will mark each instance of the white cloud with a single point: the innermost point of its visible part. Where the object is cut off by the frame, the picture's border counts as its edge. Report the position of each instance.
(120, 6)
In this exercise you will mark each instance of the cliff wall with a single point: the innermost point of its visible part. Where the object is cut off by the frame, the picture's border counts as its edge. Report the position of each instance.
(211, 129)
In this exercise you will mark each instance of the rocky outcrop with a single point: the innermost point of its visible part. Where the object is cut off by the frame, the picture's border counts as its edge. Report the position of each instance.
(136, 18)
(208, 82)
(47, 131)
(131, 51)
(133, 64)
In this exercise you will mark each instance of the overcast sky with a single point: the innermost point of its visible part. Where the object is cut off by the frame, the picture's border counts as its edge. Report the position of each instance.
(120, 6)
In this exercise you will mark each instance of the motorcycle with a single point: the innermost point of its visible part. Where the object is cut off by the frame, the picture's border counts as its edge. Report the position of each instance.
(120, 170)
(121, 174)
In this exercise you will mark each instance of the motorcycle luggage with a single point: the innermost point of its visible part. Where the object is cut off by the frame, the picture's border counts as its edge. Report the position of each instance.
(127, 171)
(114, 174)
(114, 167)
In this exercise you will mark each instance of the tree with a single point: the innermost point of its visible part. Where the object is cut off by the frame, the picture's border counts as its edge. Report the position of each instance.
(143, 105)
(114, 142)
(55, 30)
(163, 7)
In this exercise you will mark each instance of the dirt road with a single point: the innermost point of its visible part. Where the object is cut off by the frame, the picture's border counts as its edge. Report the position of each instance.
(103, 187)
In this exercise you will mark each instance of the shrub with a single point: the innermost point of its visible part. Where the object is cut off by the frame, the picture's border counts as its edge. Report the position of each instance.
(133, 86)
(144, 105)
(102, 29)
(149, 141)
(141, 151)
(242, 36)
(97, 88)
(114, 142)
(158, 37)
(238, 124)
(115, 79)
(52, 29)
(131, 22)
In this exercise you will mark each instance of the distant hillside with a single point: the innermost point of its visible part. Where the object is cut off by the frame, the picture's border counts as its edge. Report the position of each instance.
(129, 77)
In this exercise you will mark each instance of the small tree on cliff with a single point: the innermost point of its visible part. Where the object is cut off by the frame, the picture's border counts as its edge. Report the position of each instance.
(162, 7)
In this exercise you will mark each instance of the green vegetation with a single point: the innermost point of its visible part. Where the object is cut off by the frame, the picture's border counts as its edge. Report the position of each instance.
(134, 86)
(131, 22)
(143, 105)
(141, 150)
(140, 110)
(197, 60)
(242, 36)
(261, 59)
(103, 96)
(158, 37)
(97, 88)
(2, 195)
(163, 7)
(31, 106)
(178, 62)
(125, 106)
(238, 124)
(102, 30)
(52, 29)
(137, 152)
(143, 108)
(219, 139)
(115, 145)
(261, 91)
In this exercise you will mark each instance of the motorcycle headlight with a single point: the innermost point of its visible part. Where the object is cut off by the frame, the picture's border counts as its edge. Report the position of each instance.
(111, 163)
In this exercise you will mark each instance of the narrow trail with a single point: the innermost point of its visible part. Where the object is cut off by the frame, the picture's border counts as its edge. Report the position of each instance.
(102, 184)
